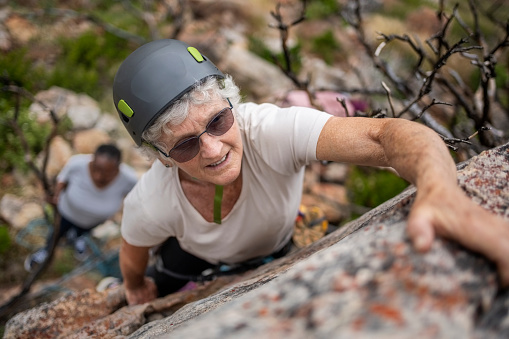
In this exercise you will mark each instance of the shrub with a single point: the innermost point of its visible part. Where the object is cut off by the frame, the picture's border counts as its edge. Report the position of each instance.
(5, 239)
(326, 46)
(371, 187)
(259, 48)
(321, 9)
(12, 152)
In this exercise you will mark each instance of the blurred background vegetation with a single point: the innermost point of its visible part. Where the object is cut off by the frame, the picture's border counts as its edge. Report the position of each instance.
(85, 61)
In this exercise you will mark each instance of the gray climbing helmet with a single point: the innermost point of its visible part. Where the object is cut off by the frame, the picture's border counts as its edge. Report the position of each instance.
(153, 77)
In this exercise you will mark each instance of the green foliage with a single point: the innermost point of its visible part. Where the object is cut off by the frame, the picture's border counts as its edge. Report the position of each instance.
(11, 149)
(326, 46)
(259, 48)
(86, 65)
(105, 5)
(400, 9)
(63, 263)
(14, 65)
(66, 75)
(318, 9)
(86, 62)
(371, 187)
(5, 239)
(491, 33)
(502, 81)
(122, 14)
(20, 70)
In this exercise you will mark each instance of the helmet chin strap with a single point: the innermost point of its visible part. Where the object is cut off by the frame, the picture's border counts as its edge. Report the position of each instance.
(218, 199)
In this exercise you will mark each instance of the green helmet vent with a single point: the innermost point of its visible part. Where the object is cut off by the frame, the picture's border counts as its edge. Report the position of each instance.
(196, 55)
(125, 109)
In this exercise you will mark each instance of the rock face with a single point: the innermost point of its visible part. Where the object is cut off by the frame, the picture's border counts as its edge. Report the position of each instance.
(362, 281)
(366, 282)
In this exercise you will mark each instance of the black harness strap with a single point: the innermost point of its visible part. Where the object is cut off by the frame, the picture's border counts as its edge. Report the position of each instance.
(222, 269)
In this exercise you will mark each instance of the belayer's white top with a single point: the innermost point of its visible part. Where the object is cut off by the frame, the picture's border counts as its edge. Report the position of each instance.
(82, 202)
(278, 143)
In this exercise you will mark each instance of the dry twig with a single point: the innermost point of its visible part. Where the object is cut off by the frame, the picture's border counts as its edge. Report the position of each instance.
(440, 80)
(40, 173)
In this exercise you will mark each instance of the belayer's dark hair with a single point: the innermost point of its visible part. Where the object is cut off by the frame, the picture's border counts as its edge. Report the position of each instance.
(109, 150)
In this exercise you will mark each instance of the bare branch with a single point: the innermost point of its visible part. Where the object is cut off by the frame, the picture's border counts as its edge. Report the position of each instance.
(450, 142)
(405, 38)
(388, 91)
(490, 13)
(440, 36)
(503, 43)
(426, 88)
(40, 174)
(425, 108)
(283, 32)
(353, 16)
(342, 101)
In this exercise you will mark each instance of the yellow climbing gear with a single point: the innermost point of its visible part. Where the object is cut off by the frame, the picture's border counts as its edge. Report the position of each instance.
(310, 225)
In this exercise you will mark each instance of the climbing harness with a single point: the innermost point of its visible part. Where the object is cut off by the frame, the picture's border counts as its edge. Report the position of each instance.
(223, 269)
(310, 225)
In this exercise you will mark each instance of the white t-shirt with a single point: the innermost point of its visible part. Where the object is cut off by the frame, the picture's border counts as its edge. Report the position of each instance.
(81, 202)
(278, 143)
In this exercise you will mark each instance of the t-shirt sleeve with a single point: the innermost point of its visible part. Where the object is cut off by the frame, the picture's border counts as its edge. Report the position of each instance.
(73, 164)
(129, 176)
(285, 138)
(135, 220)
(142, 225)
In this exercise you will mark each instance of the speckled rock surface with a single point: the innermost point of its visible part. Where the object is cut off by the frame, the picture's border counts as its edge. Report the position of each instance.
(63, 315)
(362, 281)
(366, 281)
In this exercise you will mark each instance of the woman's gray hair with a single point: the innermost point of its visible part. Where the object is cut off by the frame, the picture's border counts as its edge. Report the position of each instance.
(207, 91)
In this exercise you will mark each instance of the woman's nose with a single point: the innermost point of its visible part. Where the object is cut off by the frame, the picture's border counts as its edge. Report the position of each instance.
(210, 146)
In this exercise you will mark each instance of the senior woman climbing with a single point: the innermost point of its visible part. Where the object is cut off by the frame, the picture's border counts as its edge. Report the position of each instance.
(227, 179)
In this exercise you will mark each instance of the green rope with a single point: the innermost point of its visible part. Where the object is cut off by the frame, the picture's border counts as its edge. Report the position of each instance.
(218, 199)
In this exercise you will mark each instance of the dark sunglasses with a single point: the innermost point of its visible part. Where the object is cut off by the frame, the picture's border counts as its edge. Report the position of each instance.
(188, 148)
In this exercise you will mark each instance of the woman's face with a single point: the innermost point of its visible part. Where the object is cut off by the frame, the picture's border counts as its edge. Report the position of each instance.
(103, 170)
(219, 158)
